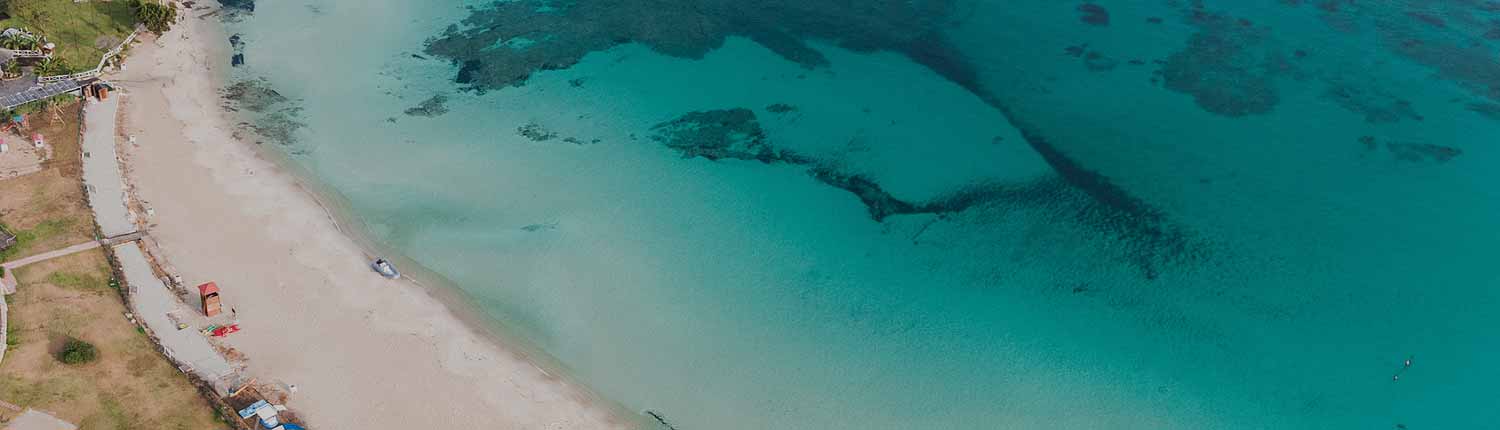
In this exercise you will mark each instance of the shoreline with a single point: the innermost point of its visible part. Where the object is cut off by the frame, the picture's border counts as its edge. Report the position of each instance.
(460, 344)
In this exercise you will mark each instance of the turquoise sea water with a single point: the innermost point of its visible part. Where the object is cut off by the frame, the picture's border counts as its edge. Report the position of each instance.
(931, 214)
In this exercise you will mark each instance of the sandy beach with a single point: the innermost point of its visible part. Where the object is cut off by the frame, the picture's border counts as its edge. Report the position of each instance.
(364, 352)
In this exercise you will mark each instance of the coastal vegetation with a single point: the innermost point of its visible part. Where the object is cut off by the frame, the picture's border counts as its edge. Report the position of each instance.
(83, 32)
(126, 385)
(51, 104)
(54, 66)
(11, 70)
(155, 16)
(20, 41)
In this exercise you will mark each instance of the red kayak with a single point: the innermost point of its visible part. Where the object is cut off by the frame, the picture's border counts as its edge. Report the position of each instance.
(226, 330)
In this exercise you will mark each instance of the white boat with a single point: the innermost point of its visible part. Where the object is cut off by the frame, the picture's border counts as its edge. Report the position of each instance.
(385, 268)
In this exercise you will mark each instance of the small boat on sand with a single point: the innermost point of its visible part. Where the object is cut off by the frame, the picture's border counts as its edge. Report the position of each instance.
(385, 268)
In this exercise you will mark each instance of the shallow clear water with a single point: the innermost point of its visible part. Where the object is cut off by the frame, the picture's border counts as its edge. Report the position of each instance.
(1233, 215)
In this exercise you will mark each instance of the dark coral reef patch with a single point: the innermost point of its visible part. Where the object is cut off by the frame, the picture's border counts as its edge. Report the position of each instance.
(536, 132)
(1377, 106)
(236, 10)
(1229, 68)
(562, 33)
(1093, 14)
(1453, 38)
(1415, 152)
(272, 116)
(720, 134)
(433, 106)
(1149, 240)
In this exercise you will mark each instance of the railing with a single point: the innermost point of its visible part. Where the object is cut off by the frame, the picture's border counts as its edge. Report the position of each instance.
(75, 76)
(98, 69)
(27, 53)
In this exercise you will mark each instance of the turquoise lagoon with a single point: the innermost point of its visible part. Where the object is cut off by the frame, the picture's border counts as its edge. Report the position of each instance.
(1122, 215)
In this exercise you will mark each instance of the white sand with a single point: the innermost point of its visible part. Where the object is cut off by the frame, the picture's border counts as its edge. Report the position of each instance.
(364, 352)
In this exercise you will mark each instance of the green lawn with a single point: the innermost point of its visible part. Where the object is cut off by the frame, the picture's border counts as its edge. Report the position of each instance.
(83, 32)
(46, 233)
(129, 386)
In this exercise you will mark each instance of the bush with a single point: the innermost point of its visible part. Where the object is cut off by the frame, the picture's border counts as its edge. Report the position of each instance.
(155, 16)
(76, 351)
(22, 40)
(54, 66)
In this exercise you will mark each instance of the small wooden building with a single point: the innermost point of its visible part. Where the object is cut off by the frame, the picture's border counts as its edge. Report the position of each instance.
(209, 293)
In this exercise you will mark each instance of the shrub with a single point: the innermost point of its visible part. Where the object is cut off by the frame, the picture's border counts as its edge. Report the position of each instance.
(12, 336)
(54, 66)
(155, 16)
(76, 351)
(22, 40)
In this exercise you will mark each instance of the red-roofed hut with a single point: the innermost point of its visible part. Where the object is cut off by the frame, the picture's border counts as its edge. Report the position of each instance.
(210, 294)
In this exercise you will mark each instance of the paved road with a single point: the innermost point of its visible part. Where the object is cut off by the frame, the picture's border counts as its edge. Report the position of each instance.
(16, 264)
(101, 170)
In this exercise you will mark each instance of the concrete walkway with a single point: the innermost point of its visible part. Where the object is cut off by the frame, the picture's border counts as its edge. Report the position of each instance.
(16, 264)
(33, 419)
(101, 168)
(152, 301)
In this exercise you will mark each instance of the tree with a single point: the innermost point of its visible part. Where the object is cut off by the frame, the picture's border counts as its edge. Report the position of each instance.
(76, 351)
(155, 16)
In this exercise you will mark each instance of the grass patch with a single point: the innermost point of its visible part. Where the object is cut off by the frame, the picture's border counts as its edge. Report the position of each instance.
(83, 31)
(47, 210)
(12, 337)
(129, 384)
(43, 106)
(76, 281)
(43, 233)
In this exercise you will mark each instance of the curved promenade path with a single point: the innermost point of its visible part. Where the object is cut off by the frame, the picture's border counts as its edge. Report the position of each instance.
(101, 168)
